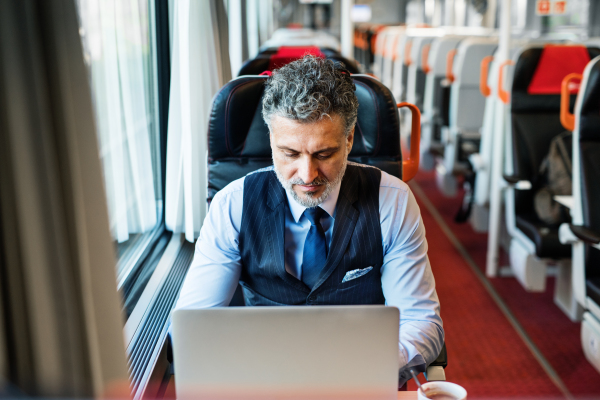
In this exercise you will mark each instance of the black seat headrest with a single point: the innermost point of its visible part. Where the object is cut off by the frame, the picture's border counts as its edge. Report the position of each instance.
(238, 137)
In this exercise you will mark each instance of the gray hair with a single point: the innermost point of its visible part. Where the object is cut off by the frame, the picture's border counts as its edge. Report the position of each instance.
(308, 89)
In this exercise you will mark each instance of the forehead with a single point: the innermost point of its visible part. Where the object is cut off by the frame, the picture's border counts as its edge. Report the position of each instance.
(330, 129)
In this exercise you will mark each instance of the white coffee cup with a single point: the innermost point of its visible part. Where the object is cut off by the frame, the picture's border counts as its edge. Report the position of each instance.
(452, 390)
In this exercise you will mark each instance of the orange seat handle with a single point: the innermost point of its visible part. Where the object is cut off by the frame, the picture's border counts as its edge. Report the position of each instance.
(425, 58)
(407, 49)
(504, 95)
(567, 119)
(410, 166)
(449, 64)
(483, 76)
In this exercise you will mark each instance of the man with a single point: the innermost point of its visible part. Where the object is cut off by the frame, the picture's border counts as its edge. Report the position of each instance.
(315, 229)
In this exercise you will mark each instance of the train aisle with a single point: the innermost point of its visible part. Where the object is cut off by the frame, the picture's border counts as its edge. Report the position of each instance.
(502, 341)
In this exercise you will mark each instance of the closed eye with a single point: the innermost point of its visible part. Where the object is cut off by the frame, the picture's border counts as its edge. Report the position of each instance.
(324, 156)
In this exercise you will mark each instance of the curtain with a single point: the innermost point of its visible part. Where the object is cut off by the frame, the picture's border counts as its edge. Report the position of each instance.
(61, 321)
(237, 37)
(116, 39)
(252, 24)
(200, 67)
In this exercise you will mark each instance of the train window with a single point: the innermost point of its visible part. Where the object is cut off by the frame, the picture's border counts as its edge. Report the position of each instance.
(119, 49)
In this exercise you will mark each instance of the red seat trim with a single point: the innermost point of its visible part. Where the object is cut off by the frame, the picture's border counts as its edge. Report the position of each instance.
(556, 62)
(287, 54)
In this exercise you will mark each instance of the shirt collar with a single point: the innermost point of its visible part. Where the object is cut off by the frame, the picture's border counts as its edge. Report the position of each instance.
(328, 205)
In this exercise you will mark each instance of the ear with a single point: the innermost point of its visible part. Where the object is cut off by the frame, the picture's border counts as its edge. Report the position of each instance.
(350, 140)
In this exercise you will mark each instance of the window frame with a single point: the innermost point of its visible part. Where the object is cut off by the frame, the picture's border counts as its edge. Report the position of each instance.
(160, 57)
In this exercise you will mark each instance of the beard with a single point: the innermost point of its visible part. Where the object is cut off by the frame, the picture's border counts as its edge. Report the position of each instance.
(309, 200)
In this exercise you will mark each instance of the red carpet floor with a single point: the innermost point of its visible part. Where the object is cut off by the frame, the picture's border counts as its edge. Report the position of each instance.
(486, 354)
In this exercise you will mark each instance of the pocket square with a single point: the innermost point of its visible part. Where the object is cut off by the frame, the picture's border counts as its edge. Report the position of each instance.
(355, 273)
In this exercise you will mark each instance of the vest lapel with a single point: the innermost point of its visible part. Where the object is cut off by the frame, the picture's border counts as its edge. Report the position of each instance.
(346, 216)
(275, 234)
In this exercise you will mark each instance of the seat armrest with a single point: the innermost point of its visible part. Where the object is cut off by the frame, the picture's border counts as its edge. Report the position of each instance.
(565, 235)
(585, 234)
(477, 162)
(442, 359)
(517, 182)
(435, 370)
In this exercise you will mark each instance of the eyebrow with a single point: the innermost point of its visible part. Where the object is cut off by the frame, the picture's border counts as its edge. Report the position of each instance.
(326, 150)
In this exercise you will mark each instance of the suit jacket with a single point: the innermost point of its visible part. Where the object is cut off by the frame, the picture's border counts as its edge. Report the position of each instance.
(356, 244)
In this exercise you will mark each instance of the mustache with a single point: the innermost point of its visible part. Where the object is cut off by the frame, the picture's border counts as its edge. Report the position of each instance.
(318, 181)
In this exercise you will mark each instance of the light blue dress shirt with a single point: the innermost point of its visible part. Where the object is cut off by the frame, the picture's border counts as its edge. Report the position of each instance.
(406, 277)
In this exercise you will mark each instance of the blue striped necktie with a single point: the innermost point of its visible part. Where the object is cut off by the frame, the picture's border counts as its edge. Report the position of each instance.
(315, 247)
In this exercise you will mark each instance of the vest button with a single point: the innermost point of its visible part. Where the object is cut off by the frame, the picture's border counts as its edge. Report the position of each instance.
(312, 298)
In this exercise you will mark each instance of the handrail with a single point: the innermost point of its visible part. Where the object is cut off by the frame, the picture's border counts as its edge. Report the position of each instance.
(503, 94)
(567, 119)
(407, 49)
(483, 76)
(449, 64)
(395, 47)
(425, 58)
(410, 166)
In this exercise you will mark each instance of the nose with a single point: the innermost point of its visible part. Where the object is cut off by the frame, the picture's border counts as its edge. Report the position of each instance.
(308, 170)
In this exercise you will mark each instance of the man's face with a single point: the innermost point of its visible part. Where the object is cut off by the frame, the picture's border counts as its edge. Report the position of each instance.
(310, 158)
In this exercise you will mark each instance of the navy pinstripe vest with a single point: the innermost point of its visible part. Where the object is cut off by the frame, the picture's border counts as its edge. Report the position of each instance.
(356, 243)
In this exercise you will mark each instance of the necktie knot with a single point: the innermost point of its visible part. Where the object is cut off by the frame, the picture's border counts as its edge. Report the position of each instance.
(314, 215)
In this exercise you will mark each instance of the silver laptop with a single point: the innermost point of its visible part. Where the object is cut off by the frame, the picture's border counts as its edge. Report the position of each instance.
(330, 352)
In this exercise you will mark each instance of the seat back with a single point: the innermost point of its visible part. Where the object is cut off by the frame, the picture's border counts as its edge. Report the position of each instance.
(490, 126)
(586, 162)
(270, 60)
(535, 109)
(389, 55)
(415, 89)
(238, 138)
(467, 104)
(436, 103)
(365, 38)
(385, 43)
(488, 129)
(405, 62)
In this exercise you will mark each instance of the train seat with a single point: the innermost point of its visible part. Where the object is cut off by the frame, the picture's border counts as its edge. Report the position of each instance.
(238, 143)
(270, 60)
(365, 37)
(400, 67)
(467, 105)
(436, 101)
(238, 139)
(584, 231)
(481, 162)
(417, 71)
(382, 53)
(389, 55)
(534, 122)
